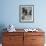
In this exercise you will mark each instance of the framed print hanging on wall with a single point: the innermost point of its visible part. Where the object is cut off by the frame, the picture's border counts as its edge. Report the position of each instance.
(26, 13)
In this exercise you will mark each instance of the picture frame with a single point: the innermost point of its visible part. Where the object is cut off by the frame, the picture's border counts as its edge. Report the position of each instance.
(26, 13)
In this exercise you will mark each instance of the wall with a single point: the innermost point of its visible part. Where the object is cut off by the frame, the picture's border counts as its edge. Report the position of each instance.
(10, 13)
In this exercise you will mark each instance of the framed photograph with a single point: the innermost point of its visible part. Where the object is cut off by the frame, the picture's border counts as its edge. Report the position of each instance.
(26, 13)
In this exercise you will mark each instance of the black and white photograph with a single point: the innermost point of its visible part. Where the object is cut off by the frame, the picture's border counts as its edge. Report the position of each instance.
(26, 13)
